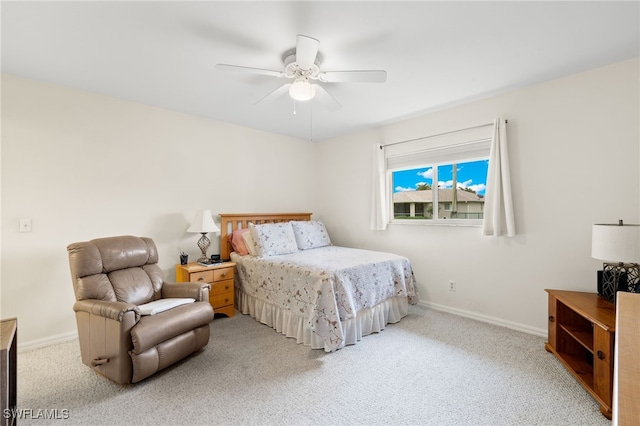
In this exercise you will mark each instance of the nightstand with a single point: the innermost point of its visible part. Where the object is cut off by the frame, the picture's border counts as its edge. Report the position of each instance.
(220, 276)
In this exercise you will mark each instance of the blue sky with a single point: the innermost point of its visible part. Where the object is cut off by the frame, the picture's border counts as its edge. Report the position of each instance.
(470, 175)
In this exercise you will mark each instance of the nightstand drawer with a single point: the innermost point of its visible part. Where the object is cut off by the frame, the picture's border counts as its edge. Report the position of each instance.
(201, 277)
(222, 274)
(221, 287)
(222, 299)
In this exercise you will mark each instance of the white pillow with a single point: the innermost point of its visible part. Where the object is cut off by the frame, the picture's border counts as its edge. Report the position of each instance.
(272, 239)
(162, 305)
(310, 234)
(249, 243)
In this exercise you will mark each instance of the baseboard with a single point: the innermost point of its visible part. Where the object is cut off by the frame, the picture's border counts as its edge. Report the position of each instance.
(485, 318)
(51, 340)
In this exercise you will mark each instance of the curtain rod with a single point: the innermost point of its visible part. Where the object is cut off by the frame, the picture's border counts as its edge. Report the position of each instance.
(439, 134)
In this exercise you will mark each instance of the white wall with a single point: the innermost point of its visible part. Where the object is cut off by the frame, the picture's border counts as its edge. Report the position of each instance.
(84, 166)
(574, 152)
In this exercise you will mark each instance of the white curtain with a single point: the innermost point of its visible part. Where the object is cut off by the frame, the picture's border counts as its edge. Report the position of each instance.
(379, 205)
(498, 205)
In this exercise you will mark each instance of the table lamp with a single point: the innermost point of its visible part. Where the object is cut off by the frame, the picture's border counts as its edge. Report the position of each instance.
(203, 223)
(618, 245)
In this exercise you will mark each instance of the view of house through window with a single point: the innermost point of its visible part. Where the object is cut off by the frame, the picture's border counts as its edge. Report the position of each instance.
(458, 191)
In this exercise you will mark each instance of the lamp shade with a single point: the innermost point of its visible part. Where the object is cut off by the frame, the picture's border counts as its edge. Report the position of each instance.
(203, 222)
(616, 242)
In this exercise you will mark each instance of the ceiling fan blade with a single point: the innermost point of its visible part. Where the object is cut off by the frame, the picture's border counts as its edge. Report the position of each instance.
(361, 76)
(326, 99)
(275, 94)
(306, 51)
(249, 70)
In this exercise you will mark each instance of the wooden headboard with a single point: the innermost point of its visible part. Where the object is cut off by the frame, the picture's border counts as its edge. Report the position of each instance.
(233, 221)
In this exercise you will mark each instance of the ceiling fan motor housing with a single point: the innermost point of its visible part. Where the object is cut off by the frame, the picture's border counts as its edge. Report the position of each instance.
(293, 70)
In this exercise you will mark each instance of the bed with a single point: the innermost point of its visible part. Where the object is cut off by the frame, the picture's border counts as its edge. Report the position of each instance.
(297, 282)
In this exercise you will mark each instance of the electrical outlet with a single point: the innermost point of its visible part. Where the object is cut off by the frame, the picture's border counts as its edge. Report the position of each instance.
(25, 225)
(452, 285)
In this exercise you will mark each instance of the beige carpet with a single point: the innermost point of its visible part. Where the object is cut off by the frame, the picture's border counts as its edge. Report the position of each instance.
(432, 368)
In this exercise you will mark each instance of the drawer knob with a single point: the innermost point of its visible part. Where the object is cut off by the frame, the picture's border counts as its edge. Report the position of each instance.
(226, 287)
(600, 355)
(551, 318)
(201, 279)
(224, 274)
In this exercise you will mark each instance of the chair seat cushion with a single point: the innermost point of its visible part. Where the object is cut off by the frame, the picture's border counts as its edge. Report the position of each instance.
(154, 329)
(162, 305)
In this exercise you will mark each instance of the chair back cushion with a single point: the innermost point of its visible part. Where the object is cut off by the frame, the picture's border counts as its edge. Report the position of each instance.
(122, 269)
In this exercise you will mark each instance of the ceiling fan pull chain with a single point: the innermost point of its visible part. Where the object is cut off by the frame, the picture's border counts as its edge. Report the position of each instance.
(311, 122)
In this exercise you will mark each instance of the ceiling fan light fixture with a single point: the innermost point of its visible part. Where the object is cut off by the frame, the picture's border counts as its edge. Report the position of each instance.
(302, 90)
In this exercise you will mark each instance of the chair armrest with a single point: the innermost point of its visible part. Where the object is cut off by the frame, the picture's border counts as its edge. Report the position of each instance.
(103, 308)
(199, 291)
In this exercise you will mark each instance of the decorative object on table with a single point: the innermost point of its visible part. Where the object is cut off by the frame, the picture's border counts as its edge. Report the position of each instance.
(203, 223)
(215, 258)
(618, 245)
(184, 258)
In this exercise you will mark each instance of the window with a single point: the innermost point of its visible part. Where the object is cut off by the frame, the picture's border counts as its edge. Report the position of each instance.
(416, 197)
(439, 179)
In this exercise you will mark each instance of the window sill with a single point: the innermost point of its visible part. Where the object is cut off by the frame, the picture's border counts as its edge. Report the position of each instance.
(441, 222)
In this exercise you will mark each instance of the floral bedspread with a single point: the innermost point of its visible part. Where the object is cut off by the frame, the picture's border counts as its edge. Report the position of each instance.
(327, 285)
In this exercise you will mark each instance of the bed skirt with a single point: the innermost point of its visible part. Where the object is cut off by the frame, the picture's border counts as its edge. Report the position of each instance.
(367, 321)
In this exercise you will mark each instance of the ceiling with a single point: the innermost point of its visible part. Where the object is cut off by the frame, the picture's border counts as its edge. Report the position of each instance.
(436, 54)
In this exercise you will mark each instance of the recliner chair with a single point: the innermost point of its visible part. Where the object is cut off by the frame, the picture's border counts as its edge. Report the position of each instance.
(111, 278)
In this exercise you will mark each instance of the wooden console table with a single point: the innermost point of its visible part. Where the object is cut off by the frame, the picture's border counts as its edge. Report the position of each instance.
(581, 336)
(8, 360)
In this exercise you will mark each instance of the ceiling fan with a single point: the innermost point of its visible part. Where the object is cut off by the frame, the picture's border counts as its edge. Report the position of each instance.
(302, 67)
